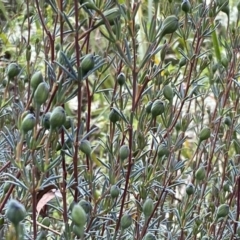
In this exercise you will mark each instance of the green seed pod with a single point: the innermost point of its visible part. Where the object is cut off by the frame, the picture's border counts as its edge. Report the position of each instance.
(46, 120)
(186, 6)
(114, 191)
(157, 108)
(68, 122)
(114, 116)
(15, 212)
(148, 207)
(6, 187)
(78, 230)
(190, 189)
(226, 186)
(148, 107)
(46, 222)
(163, 151)
(85, 147)
(58, 117)
(126, 221)
(204, 134)
(168, 93)
(224, 6)
(86, 206)
(41, 94)
(200, 173)
(222, 211)
(228, 121)
(124, 152)
(78, 215)
(182, 62)
(169, 25)
(87, 63)
(149, 236)
(28, 123)
(36, 79)
(121, 79)
(178, 126)
(13, 70)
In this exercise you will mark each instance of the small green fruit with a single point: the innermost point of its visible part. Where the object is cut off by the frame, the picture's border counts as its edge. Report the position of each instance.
(157, 108)
(41, 93)
(86, 206)
(169, 25)
(36, 79)
(148, 207)
(6, 187)
(87, 63)
(226, 186)
(46, 120)
(121, 79)
(68, 122)
(124, 152)
(126, 221)
(204, 134)
(114, 191)
(28, 123)
(186, 6)
(182, 62)
(168, 93)
(148, 107)
(163, 151)
(85, 147)
(15, 212)
(222, 211)
(13, 70)
(149, 236)
(46, 222)
(228, 121)
(200, 173)
(58, 117)
(114, 116)
(78, 215)
(190, 189)
(78, 230)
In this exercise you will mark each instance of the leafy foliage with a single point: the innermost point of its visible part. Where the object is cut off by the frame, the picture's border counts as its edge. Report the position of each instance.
(119, 120)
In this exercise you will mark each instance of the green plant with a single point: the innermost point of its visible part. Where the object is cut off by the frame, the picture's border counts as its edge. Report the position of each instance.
(119, 120)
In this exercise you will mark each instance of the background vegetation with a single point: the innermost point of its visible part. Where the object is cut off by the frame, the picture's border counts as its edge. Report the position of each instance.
(119, 120)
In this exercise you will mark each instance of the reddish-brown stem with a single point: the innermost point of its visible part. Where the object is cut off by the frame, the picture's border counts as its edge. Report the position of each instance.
(79, 96)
